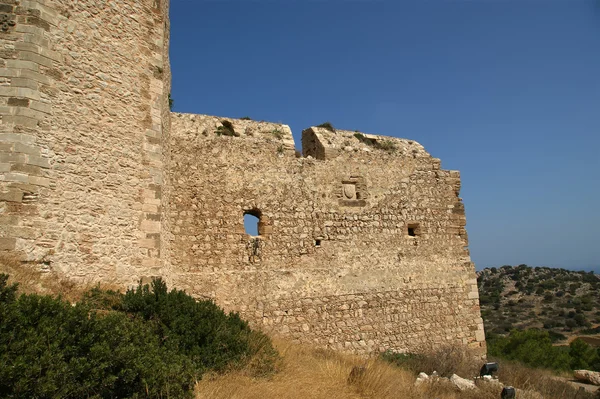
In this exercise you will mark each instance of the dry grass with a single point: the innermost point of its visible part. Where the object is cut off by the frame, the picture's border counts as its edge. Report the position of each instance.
(446, 361)
(542, 381)
(309, 373)
(32, 280)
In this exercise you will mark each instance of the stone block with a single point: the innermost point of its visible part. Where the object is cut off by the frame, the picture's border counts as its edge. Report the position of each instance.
(24, 82)
(17, 138)
(12, 195)
(12, 158)
(149, 226)
(479, 336)
(42, 107)
(39, 181)
(28, 112)
(38, 161)
(26, 149)
(35, 76)
(8, 73)
(22, 92)
(21, 64)
(25, 121)
(149, 243)
(27, 47)
(16, 177)
(23, 28)
(7, 244)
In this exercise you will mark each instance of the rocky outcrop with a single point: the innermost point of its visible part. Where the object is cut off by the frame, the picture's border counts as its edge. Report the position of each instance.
(590, 377)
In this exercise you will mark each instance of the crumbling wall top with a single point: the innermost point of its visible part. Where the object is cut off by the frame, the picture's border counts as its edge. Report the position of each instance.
(199, 127)
(327, 143)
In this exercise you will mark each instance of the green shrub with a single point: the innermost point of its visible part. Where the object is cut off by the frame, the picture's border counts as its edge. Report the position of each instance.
(583, 356)
(534, 348)
(149, 342)
(199, 329)
(328, 126)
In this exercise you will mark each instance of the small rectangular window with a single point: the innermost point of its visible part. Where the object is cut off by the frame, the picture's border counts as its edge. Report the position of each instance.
(413, 229)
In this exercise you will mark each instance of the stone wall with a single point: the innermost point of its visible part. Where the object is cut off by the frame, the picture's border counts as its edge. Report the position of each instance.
(83, 105)
(362, 243)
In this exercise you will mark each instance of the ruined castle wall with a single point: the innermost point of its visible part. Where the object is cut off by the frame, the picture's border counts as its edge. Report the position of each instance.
(82, 100)
(362, 245)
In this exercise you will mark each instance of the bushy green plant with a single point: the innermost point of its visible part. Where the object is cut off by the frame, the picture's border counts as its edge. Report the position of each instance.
(583, 356)
(149, 342)
(199, 329)
(534, 348)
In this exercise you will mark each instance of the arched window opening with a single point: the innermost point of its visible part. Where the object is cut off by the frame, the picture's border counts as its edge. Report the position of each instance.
(252, 223)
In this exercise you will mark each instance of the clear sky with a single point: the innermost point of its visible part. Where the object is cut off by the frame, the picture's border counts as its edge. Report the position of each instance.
(507, 92)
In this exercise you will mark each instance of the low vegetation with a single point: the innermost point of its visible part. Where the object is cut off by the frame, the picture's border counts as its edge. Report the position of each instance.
(226, 129)
(328, 126)
(563, 302)
(386, 145)
(535, 348)
(310, 373)
(277, 133)
(149, 342)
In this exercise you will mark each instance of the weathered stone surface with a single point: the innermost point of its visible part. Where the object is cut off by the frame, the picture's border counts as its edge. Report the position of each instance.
(591, 377)
(361, 250)
(361, 243)
(462, 383)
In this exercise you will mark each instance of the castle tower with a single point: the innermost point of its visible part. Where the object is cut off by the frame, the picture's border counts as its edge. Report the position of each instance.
(84, 115)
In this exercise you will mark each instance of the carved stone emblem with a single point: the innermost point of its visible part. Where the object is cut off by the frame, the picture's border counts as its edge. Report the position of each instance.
(350, 191)
(7, 21)
(354, 192)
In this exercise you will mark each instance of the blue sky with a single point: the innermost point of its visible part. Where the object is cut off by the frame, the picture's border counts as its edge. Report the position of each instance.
(507, 92)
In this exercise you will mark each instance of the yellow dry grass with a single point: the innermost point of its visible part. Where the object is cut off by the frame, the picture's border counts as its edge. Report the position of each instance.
(309, 373)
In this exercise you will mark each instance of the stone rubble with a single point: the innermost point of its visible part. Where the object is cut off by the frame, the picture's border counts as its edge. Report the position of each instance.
(590, 377)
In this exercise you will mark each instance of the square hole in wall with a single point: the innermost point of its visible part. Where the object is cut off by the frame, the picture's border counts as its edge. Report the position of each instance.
(413, 229)
(318, 243)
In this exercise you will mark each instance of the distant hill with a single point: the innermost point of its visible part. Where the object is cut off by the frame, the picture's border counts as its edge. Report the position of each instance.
(564, 302)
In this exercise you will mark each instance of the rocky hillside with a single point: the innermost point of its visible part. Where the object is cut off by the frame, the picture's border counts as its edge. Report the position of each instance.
(563, 302)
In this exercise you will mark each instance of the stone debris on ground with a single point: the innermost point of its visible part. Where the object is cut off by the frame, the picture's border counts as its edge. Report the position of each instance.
(462, 383)
(591, 377)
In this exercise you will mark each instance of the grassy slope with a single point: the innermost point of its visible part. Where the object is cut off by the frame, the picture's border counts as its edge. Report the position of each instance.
(309, 373)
